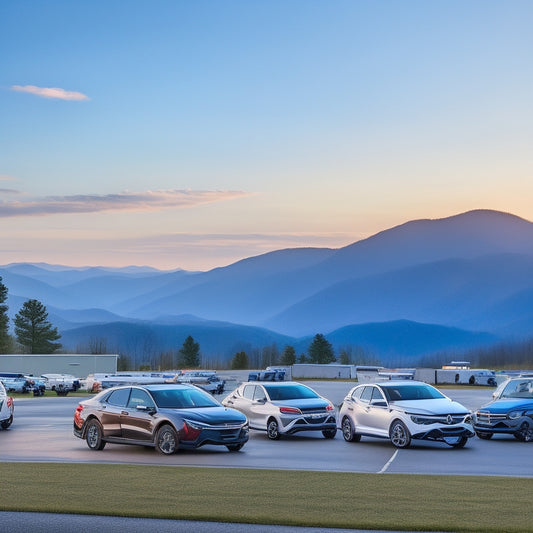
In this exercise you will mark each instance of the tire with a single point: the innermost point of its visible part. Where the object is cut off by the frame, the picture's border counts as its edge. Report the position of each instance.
(399, 434)
(329, 433)
(484, 435)
(458, 443)
(273, 430)
(166, 440)
(348, 431)
(234, 447)
(525, 433)
(6, 423)
(94, 435)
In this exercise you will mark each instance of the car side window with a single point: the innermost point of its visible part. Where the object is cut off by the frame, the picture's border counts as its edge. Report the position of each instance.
(140, 397)
(366, 395)
(119, 397)
(259, 393)
(357, 393)
(376, 394)
(248, 392)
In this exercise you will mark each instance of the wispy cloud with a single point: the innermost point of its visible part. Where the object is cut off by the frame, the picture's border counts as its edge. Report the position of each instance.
(9, 191)
(4, 177)
(50, 92)
(127, 201)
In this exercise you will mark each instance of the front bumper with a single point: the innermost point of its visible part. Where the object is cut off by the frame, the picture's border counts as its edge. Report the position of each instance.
(313, 422)
(441, 433)
(219, 437)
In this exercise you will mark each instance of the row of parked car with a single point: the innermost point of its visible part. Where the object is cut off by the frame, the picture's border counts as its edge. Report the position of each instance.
(62, 384)
(173, 416)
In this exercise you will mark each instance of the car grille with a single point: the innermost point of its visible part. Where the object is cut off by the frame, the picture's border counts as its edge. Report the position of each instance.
(485, 417)
(314, 410)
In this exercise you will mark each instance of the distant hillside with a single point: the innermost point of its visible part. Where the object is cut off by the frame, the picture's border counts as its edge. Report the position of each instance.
(469, 272)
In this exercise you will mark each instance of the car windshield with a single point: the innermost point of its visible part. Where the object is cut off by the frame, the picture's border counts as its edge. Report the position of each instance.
(519, 388)
(289, 392)
(395, 393)
(182, 398)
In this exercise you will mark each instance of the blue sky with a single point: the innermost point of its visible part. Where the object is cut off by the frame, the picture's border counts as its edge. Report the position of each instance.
(191, 134)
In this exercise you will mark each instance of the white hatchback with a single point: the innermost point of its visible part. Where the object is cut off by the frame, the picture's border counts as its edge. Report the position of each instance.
(6, 408)
(402, 411)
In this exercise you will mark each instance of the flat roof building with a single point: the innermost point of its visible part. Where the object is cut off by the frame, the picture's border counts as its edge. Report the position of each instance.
(79, 365)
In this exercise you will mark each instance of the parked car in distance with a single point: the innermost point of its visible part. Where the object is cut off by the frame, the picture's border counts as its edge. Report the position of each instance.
(283, 408)
(402, 411)
(510, 412)
(14, 382)
(62, 384)
(7, 408)
(167, 417)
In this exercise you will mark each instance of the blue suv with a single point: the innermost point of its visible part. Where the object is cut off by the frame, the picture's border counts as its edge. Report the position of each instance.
(511, 412)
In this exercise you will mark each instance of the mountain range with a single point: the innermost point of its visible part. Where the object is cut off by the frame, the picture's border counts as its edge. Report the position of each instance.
(415, 289)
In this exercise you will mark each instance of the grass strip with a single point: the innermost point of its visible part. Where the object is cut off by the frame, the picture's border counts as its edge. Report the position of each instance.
(298, 498)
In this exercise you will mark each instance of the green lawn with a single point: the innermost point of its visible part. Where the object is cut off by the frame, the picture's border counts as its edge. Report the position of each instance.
(325, 499)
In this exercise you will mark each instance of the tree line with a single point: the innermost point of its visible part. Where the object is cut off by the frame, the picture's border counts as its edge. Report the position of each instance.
(34, 333)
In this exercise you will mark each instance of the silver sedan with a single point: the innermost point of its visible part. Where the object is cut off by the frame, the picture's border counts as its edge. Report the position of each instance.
(283, 408)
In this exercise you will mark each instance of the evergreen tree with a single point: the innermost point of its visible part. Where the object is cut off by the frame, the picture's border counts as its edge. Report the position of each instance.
(288, 357)
(321, 351)
(240, 361)
(190, 353)
(5, 340)
(33, 330)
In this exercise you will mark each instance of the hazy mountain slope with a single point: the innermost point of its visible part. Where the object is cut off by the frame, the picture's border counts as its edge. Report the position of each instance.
(258, 294)
(245, 292)
(446, 292)
(467, 235)
(58, 275)
(406, 341)
(143, 339)
(27, 288)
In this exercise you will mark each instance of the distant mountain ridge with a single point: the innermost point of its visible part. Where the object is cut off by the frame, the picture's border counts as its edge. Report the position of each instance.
(470, 273)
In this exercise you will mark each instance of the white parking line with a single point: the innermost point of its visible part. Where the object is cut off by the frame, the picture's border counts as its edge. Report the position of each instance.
(388, 463)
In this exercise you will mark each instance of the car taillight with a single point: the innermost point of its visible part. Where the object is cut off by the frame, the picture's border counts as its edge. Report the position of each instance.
(9, 401)
(78, 419)
(290, 410)
(329, 407)
(190, 432)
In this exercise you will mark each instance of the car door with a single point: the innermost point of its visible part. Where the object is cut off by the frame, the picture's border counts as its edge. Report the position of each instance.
(243, 401)
(378, 414)
(136, 419)
(111, 410)
(372, 412)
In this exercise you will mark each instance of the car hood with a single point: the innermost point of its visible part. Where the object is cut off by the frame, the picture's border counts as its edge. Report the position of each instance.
(506, 405)
(207, 415)
(303, 403)
(438, 406)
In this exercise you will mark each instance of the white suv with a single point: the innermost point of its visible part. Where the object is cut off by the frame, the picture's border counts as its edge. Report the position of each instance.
(404, 410)
(6, 408)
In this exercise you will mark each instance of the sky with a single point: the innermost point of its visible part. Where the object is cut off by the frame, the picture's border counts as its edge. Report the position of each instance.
(192, 134)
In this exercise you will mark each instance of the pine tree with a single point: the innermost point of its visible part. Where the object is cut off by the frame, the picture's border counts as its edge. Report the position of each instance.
(240, 361)
(321, 350)
(33, 330)
(5, 340)
(190, 353)
(288, 357)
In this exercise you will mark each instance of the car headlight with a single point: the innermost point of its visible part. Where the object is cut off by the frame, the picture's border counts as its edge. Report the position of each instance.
(420, 420)
(513, 415)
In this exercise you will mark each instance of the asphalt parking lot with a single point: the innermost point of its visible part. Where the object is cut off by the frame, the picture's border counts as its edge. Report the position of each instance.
(42, 431)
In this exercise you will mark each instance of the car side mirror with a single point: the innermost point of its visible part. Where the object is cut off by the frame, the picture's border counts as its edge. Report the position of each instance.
(260, 401)
(378, 403)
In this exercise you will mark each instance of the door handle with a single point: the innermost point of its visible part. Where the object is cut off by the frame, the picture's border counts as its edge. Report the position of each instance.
(126, 413)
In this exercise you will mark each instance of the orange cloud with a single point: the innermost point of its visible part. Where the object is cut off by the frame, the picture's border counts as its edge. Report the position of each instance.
(127, 201)
(50, 92)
